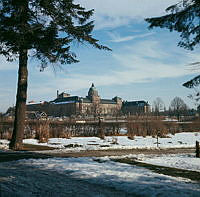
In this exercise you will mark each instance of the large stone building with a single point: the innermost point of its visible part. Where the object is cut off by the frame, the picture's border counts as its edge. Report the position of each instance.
(66, 105)
(135, 107)
(92, 104)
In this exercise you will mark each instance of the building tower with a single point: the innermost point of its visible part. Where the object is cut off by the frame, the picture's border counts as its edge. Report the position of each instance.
(93, 94)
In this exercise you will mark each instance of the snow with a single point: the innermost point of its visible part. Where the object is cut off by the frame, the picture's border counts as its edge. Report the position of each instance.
(179, 140)
(101, 177)
(81, 177)
(4, 144)
(181, 161)
(170, 119)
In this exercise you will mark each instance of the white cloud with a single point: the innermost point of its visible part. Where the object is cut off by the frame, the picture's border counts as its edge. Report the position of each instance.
(114, 13)
(115, 37)
(148, 61)
(145, 61)
(139, 62)
(146, 49)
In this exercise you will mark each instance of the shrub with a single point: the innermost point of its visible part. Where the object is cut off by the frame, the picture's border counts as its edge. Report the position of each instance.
(42, 131)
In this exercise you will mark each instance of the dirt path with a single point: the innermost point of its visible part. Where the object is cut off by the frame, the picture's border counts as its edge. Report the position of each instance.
(32, 152)
(120, 152)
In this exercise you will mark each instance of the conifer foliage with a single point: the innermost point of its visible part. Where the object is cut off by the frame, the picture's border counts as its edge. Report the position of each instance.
(183, 17)
(43, 29)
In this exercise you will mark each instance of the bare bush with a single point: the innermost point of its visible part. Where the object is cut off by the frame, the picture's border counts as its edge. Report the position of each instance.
(101, 129)
(5, 133)
(101, 133)
(60, 131)
(42, 131)
(195, 125)
(145, 126)
(29, 132)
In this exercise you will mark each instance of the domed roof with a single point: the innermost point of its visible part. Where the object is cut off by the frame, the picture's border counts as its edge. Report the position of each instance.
(92, 91)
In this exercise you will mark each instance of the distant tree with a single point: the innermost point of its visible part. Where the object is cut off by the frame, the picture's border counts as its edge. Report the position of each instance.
(116, 113)
(170, 113)
(178, 107)
(184, 18)
(165, 111)
(158, 105)
(43, 29)
(96, 110)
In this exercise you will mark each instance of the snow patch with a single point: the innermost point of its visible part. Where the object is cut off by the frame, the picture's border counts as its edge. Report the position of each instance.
(179, 140)
(86, 176)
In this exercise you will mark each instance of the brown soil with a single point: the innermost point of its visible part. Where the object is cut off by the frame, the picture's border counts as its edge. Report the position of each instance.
(120, 152)
(28, 152)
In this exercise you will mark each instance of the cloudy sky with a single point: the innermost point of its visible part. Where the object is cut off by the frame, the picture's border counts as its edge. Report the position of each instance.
(144, 64)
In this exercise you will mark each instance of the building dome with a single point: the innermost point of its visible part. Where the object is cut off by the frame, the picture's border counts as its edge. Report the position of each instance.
(92, 91)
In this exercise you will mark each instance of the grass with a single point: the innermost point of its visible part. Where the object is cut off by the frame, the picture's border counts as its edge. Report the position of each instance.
(174, 172)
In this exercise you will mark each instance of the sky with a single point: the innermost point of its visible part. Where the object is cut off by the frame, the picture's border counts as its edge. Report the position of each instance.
(143, 64)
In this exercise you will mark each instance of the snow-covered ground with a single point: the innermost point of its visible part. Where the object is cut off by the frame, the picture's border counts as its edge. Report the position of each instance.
(178, 140)
(181, 161)
(86, 177)
(4, 144)
(122, 142)
(102, 177)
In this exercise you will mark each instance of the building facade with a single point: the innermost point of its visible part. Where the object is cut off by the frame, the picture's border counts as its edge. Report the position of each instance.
(67, 105)
(135, 107)
(91, 105)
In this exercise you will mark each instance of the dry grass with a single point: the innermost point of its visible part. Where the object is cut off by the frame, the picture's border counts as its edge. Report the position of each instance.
(42, 131)
(145, 126)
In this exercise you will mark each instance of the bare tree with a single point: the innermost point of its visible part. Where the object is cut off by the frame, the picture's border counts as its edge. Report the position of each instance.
(158, 105)
(96, 110)
(178, 107)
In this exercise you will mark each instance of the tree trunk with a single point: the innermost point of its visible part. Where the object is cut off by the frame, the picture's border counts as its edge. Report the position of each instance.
(20, 108)
(197, 149)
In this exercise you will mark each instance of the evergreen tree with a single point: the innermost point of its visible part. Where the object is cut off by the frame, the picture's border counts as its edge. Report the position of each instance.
(45, 30)
(183, 17)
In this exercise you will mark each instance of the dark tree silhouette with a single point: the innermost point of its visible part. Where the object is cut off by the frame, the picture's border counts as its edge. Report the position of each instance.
(43, 29)
(178, 107)
(183, 17)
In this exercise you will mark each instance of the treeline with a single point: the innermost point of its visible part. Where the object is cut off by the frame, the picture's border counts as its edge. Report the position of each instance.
(177, 109)
(156, 126)
(149, 126)
(45, 129)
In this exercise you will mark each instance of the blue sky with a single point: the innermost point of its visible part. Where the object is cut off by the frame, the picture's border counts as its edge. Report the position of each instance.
(144, 64)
